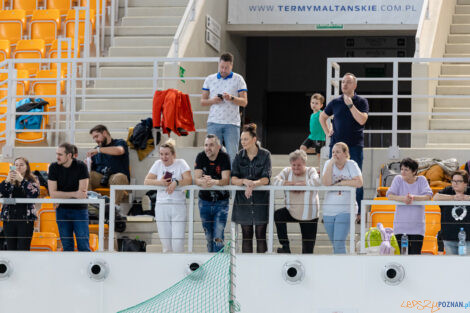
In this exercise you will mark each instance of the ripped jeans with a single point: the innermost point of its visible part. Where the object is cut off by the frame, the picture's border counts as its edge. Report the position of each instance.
(214, 217)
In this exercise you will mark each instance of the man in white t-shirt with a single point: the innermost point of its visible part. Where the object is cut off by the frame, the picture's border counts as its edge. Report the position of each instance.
(225, 92)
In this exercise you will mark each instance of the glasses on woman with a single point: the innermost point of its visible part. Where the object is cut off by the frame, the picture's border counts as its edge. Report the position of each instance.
(457, 181)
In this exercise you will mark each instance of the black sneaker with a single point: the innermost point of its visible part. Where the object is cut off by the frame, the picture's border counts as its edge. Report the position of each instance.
(283, 249)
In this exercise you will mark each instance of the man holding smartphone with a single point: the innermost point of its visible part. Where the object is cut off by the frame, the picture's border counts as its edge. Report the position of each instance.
(212, 168)
(225, 92)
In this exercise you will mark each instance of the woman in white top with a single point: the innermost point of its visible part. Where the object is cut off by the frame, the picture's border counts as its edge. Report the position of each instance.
(170, 209)
(301, 206)
(339, 171)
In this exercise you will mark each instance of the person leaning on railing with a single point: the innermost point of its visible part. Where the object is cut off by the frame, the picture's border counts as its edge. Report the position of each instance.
(251, 168)
(454, 217)
(339, 171)
(301, 206)
(409, 219)
(170, 209)
(18, 219)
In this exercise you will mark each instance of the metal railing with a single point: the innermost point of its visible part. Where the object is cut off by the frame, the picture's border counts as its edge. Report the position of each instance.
(270, 188)
(100, 202)
(188, 16)
(422, 18)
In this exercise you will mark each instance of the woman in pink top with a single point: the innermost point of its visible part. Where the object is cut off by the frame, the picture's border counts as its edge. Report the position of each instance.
(409, 219)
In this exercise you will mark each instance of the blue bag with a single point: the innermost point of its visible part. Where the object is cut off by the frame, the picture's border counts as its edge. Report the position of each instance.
(29, 121)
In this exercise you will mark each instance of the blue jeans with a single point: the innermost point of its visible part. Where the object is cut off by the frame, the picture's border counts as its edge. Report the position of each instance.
(452, 247)
(337, 228)
(357, 155)
(229, 136)
(72, 221)
(214, 217)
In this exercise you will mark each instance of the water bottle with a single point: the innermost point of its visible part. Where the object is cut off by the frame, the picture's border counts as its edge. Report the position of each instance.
(462, 242)
(404, 244)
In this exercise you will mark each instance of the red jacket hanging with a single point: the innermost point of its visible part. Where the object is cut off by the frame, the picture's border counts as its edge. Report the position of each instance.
(172, 112)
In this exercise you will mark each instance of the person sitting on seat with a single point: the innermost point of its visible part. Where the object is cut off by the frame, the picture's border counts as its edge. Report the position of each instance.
(301, 206)
(109, 161)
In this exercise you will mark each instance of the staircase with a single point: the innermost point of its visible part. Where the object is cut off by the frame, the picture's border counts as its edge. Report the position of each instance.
(458, 46)
(146, 31)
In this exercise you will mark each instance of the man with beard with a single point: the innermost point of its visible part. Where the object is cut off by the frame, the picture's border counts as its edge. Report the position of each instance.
(109, 161)
(212, 168)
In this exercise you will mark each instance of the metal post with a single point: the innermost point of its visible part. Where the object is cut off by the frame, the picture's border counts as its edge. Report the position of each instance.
(271, 221)
(191, 221)
(363, 227)
(329, 79)
(73, 104)
(112, 21)
(101, 225)
(11, 109)
(352, 221)
(338, 84)
(395, 105)
(86, 49)
(233, 266)
(155, 75)
(112, 199)
(58, 92)
(103, 25)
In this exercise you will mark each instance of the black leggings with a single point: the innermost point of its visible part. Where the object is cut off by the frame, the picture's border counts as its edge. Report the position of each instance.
(308, 229)
(247, 233)
(415, 243)
(18, 234)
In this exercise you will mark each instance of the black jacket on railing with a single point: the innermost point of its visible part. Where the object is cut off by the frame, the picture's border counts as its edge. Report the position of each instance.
(252, 211)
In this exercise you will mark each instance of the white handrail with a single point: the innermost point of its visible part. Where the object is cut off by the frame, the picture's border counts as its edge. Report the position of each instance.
(100, 202)
(270, 188)
(188, 16)
(424, 16)
(365, 203)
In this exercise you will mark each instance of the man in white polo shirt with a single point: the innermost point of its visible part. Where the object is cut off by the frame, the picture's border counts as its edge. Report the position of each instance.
(225, 92)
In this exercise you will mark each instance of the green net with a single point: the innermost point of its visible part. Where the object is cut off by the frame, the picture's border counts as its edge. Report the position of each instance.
(208, 289)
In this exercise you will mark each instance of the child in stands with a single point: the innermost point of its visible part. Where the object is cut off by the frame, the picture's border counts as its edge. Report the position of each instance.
(316, 140)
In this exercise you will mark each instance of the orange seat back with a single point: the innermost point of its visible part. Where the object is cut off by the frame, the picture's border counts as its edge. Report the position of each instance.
(62, 5)
(47, 89)
(70, 25)
(47, 219)
(45, 24)
(382, 213)
(44, 241)
(28, 5)
(4, 49)
(433, 220)
(30, 49)
(12, 25)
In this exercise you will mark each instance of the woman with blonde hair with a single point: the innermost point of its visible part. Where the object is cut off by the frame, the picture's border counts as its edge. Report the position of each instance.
(170, 209)
(339, 171)
(18, 219)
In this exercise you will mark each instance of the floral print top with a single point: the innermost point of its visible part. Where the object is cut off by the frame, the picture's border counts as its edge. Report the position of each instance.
(23, 211)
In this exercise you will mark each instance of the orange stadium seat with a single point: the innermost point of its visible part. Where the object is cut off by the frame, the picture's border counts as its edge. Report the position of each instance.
(47, 219)
(70, 25)
(30, 49)
(4, 170)
(382, 213)
(45, 24)
(83, 3)
(28, 5)
(4, 49)
(12, 25)
(62, 5)
(93, 242)
(40, 167)
(47, 88)
(44, 242)
(54, 54)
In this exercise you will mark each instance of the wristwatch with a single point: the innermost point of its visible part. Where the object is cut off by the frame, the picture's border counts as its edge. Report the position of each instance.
(232, 98)
(177, 182)
(350, 105)
(98, 149)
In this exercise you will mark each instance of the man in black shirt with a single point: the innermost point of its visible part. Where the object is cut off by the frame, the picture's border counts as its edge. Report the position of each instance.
(212, 168)
(110, 161)
(68, 179)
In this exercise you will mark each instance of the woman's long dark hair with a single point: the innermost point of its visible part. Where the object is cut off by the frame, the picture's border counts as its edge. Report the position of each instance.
(28, 175)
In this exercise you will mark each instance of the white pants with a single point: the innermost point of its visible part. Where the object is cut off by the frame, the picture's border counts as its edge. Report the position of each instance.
(171, 225)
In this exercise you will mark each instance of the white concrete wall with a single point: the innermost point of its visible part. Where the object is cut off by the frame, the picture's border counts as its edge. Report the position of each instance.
(58, 282)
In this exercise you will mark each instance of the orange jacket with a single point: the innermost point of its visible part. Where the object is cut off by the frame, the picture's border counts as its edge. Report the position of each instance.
(172, 112)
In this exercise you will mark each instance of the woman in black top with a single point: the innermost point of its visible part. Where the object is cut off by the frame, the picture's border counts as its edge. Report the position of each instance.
(18, 219)
(251, 168)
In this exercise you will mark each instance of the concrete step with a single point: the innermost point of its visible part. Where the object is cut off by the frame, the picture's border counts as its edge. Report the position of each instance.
(143, 41)
(155, 11)
(462, 9)
(444, 145)
(463, 48)
(118, 104)
(451, 103)
(123, 91)
(154, 3)
(464, 38)
(457, 55)
(463, 2)
(129, 64)
(461, 19)
(445, 123)
(463, 82)
(446, 138)
(140, 52)
(127, 83)
(151, 21)
(459, 28)
(142, 30)
(456, 113)
(129, 72)
(100, 116)
(452, 90)
(455, 69)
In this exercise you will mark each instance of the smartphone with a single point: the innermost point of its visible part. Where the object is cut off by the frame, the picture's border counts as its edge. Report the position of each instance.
(167, 175)
(12, 168)
(220, 96)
